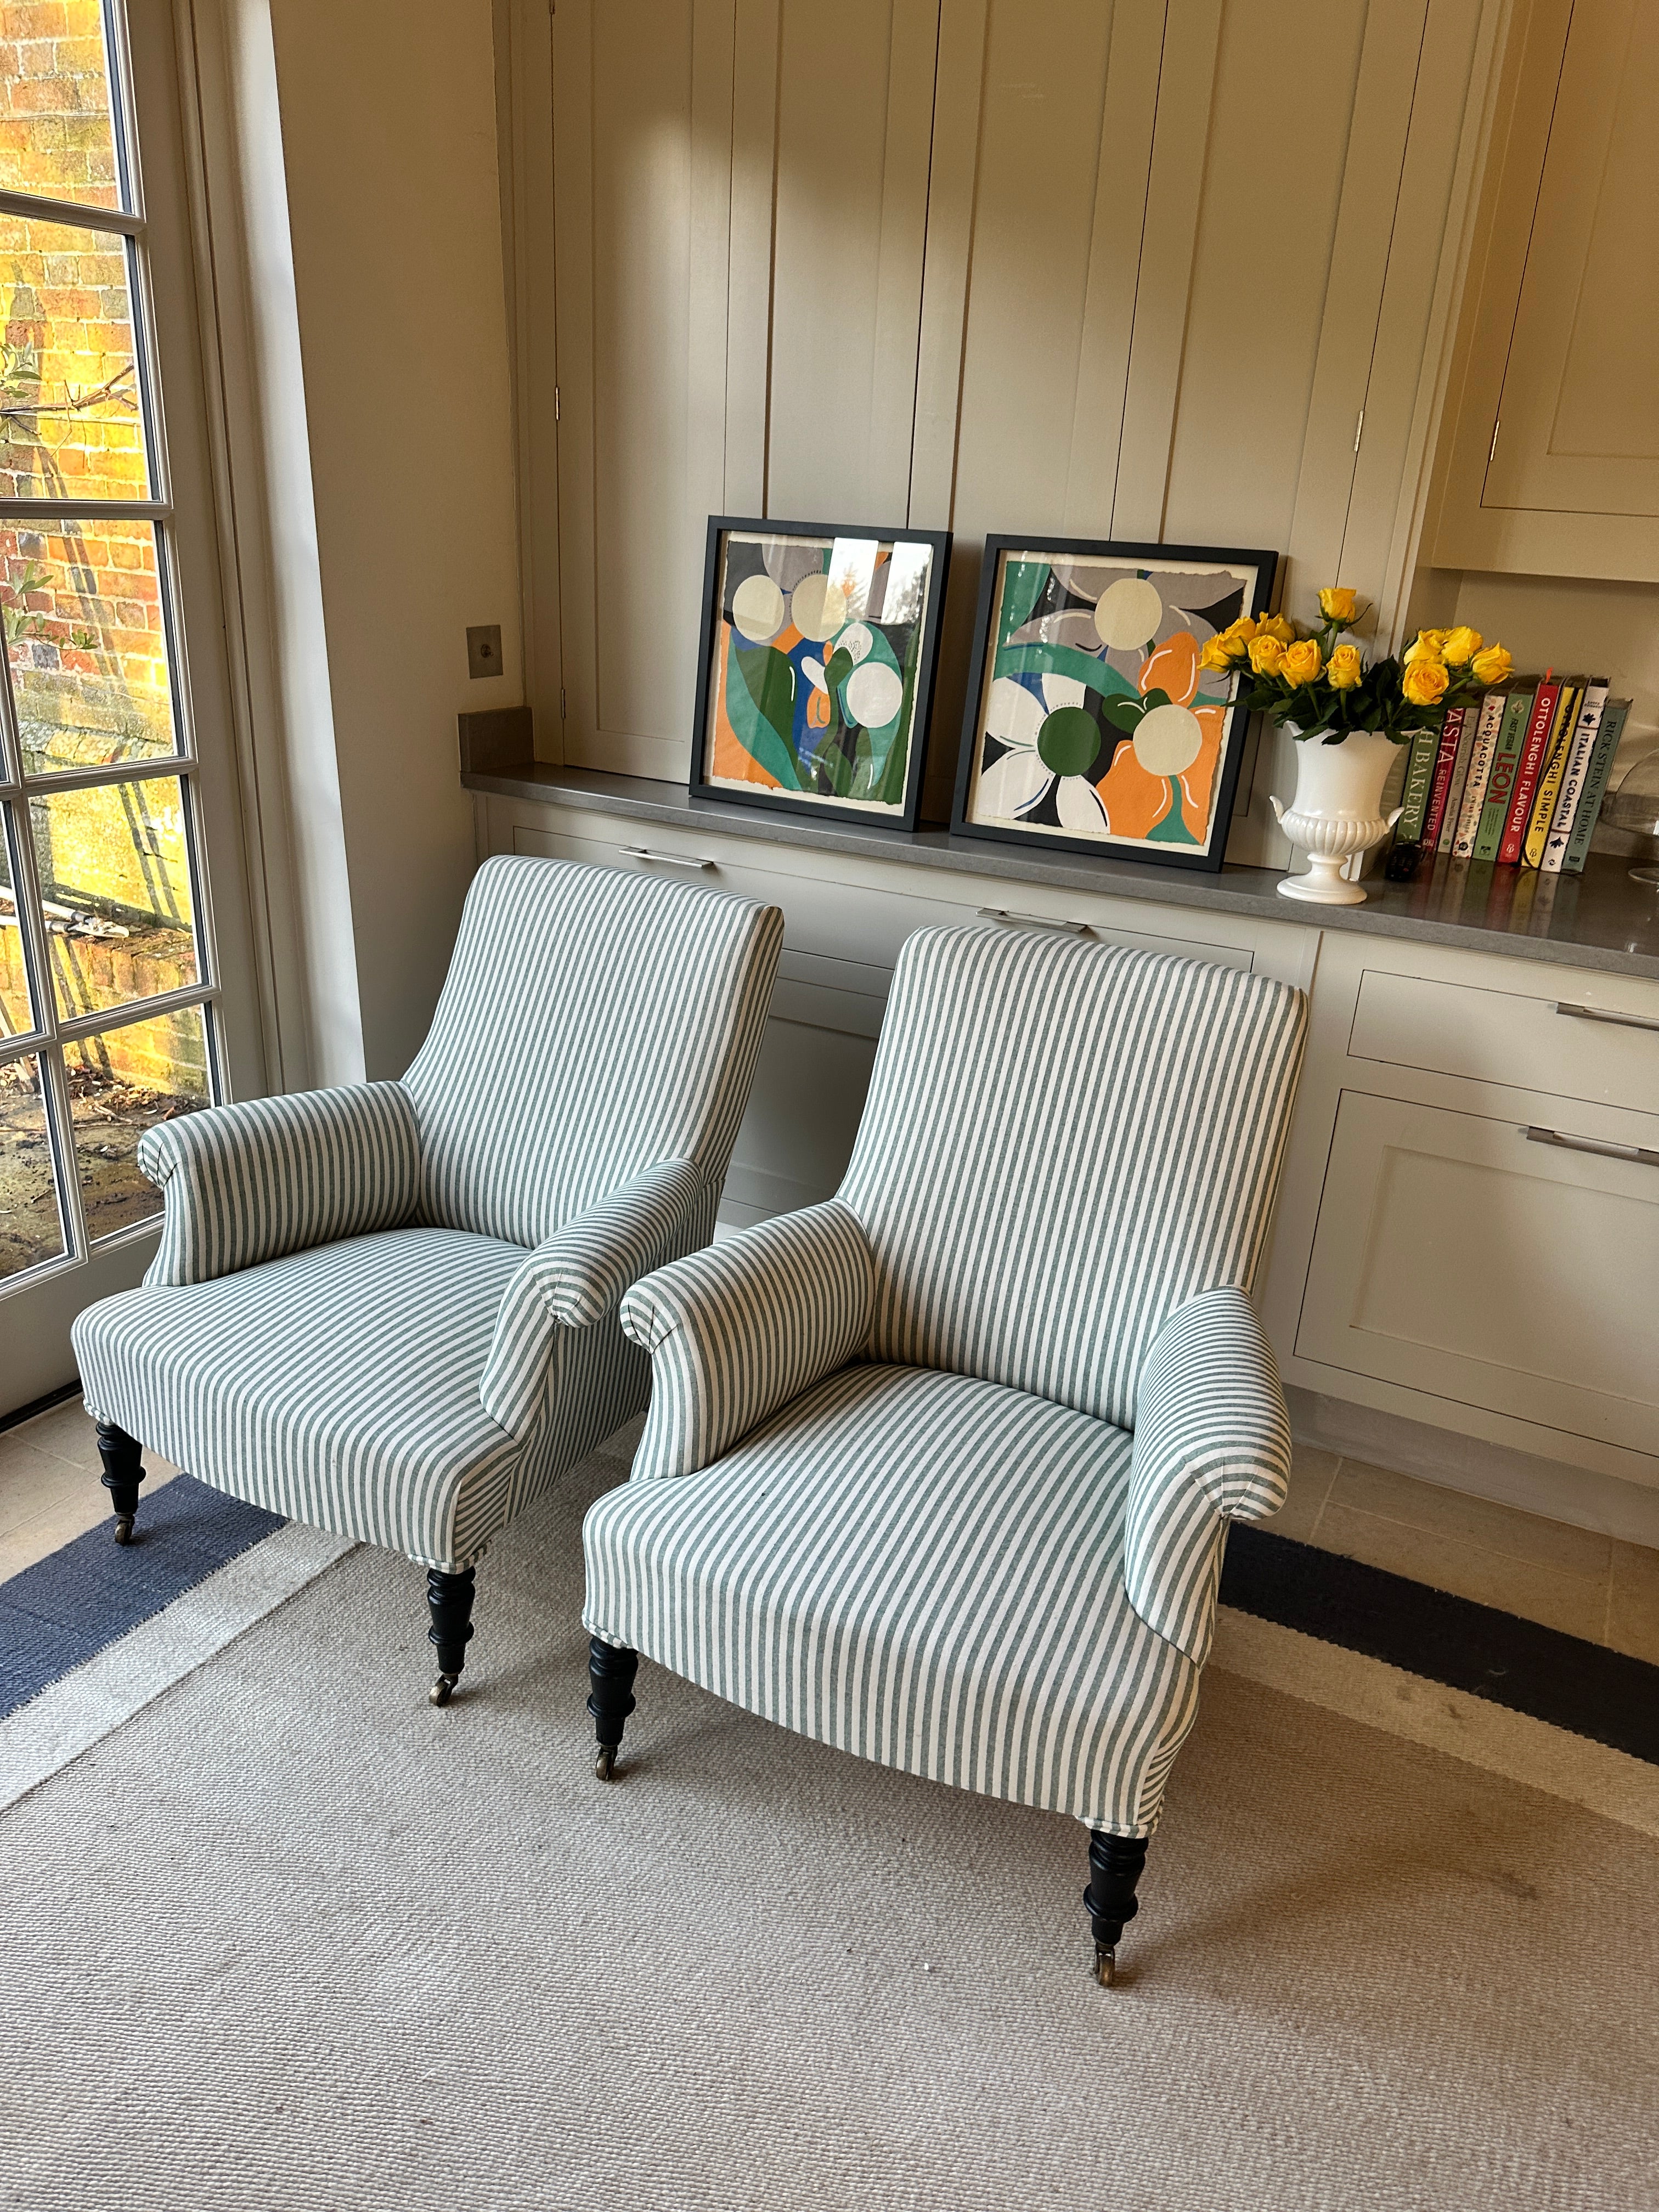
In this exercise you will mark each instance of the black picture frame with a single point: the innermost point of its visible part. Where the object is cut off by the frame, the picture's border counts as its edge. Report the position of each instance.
(1255, 569)
(816, 805)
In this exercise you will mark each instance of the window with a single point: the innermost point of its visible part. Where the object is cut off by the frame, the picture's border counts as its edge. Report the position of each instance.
(107, 973)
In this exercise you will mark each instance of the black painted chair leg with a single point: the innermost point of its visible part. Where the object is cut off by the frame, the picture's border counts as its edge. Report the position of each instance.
(611, 1669)
(1115, 1864)
(449, 1601)
(123, 1471)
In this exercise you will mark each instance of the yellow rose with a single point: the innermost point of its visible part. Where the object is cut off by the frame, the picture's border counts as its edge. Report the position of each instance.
(1267, 651)
(1302, 662)
(1278, 626)
(1492, 666)
(1424, 682)
(1461, 646)
(1233, 640)
(1339, 605)
(1216, 656)
(1344, 670)
(1428, 645)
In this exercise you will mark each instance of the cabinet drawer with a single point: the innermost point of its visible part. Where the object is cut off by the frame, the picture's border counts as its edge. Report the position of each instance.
(839, 921)
(1453, 1256)
(1603, 1052)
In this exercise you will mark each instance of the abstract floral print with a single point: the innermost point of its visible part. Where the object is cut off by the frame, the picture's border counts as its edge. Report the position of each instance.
(1096, 719)
(817, 652)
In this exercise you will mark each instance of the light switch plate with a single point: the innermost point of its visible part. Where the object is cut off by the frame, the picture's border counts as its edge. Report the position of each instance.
(484, 649)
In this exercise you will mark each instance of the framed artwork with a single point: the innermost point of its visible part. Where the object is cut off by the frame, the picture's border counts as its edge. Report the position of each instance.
(819, 642)
(1091, 726)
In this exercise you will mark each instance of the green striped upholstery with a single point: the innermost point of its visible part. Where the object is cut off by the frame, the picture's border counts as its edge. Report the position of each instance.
(951, 1459)
(249, 1183)
(631, 1003)
(736, 1331)
(393, 1310)
(1063, 1142)
(920, 1568)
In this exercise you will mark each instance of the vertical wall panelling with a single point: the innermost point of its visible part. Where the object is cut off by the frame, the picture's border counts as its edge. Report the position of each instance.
(749, 290)
(1192, 44)
(524, 92)
(952, 173)
(1090, 267)
(1040, 272)
(1433, 188)
(855, 119)
(642, 138)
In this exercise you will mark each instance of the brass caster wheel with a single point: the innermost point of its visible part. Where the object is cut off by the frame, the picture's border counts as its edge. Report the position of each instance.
(1105, 1964)
(443, 1689)
(605, 1766)
(124, 1528)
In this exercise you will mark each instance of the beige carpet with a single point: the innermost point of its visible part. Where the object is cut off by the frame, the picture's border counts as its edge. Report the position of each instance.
(290, 1938)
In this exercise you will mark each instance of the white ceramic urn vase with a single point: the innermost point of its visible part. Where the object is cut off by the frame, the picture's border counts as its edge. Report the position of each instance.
(1337, 810)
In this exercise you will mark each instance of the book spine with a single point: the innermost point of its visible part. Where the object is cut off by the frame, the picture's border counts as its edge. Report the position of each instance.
(1500, 785)
(1420, 778)
(1445, 760)
(1549, 783)
(1588, 812)
(1573, 772)
(1545, 703)
(1480, 759)
(1452, 812)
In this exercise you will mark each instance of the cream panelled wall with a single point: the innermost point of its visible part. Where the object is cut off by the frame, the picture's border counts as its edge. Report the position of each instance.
(1170, 269)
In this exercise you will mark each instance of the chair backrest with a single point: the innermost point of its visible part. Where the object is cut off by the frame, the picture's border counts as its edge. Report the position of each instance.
(593, 1023)
(1063, 1142)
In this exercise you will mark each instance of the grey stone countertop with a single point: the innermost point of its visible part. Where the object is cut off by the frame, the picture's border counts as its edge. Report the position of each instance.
(1599, 919)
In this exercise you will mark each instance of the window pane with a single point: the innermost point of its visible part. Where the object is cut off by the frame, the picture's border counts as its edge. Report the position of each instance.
(56, 132)
(69, 380)
(115, 882)
(15, 1016)
(30, 1228)
(121, 1084)
(87, 642)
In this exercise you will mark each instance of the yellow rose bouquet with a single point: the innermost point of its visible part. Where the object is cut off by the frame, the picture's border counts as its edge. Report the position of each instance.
(1322, 688)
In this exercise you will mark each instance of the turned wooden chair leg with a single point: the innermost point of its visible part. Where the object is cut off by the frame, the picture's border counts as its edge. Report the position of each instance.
(1115, 1864)
(611, 1669)
(123, 1472)
(449, 1601)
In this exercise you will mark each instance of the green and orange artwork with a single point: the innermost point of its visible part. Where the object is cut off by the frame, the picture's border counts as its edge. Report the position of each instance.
(1097, 720)
(814, 671)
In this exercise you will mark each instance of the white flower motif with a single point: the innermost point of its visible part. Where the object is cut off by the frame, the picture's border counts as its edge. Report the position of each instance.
(1021, 777)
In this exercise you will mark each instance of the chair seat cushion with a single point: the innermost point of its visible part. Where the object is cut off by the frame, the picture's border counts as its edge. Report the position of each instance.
(338, 1386)
(919, 1567)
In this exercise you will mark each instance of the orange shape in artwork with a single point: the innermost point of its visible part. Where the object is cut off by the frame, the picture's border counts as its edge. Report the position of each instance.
(1173, 668)
(1135, 802)
(733, 763)
(1197, 784)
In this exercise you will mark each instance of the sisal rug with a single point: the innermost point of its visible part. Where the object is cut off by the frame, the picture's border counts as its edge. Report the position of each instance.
(290, 1937)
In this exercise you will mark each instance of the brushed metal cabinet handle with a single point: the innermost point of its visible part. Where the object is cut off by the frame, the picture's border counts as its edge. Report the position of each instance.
(1641, 1155)
(673, 859)
(1601, 1014)
(1032, 921)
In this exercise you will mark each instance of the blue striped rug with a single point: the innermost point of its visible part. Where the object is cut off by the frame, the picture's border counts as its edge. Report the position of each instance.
(73, 1604)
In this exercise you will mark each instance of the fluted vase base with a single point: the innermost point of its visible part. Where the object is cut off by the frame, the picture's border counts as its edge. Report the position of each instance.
(1324, 884)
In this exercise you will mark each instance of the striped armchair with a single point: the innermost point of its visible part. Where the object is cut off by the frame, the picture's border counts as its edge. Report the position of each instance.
(940, 1472)
(391, 1311)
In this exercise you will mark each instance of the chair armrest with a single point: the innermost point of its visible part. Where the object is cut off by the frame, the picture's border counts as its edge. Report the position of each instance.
(575, 1277)
(737, 1330)
(1213, 1445)
(248, 1182)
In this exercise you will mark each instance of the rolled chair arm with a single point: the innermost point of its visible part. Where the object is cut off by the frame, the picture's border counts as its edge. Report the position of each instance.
(576, 1276)
(1211, 1444)
(737, 1330)
(249, 1183)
